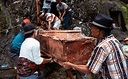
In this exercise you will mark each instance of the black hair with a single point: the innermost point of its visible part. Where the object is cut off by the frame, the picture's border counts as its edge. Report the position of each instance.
(107, 31)
(29, 34)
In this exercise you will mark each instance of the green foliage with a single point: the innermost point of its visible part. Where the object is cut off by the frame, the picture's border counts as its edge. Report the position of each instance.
(2, 21)
(125, 12)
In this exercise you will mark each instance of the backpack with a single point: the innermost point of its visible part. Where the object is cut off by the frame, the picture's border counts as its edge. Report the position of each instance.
(26, 67)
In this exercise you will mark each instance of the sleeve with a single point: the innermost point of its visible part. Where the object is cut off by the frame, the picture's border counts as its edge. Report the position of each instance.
(97, 58)
(125, 49)
(36, 54)
(57, 6)
(65, 6)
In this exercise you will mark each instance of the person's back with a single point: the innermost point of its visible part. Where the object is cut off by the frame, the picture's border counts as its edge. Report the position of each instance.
(16, 43)
(30, 55)
(30, 50)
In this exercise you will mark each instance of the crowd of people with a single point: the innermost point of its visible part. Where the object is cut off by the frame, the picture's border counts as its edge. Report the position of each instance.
(59, 12)
(109, 57)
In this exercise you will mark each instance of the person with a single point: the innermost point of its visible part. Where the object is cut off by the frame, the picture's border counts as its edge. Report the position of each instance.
(64, 14)
(18, 40)
(125, 46)
(52, 20)
(30, 51)
(47, 5)
(107, 57)
(54, 8)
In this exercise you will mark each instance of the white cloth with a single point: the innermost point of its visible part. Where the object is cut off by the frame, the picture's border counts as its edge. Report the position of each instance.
(125, 50)
(62, 7)
(57, 24)
(46, 5)
(49, 17)
(56, 21)
(30, 49)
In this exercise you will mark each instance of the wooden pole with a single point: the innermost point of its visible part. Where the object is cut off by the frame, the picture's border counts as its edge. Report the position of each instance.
(37, 10)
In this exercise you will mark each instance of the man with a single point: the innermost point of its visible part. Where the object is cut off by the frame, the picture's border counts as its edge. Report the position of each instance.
(52, 20)
(47, 5)
(107, 57)
(64, 14)
(30, 55)
(18, 40)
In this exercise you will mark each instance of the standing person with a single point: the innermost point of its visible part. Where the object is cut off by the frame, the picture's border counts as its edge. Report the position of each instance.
(107, 57)
(46, 6)
(54, 8)
(18, 40)
(30, 55)
(64, 14)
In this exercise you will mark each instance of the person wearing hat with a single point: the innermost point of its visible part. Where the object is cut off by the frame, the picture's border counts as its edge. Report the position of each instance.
(30, 51)
(107, 57)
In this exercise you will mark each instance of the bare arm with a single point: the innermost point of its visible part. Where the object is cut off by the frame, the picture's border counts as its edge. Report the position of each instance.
(49, 25)
(62, 15)
(81, 68)
(45, 61)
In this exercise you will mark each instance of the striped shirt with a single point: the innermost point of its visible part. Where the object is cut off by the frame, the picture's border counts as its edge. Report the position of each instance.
(108, 59)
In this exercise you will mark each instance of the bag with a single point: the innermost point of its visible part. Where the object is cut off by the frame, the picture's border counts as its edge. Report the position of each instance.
(26, 67)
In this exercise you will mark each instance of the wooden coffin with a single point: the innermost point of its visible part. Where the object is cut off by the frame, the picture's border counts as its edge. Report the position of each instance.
(66, 45)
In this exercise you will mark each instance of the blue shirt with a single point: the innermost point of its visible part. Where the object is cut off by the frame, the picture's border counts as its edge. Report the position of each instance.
(17, 41)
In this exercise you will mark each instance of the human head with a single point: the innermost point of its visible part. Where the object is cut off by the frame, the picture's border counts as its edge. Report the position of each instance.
(103, 24)
(29, 30)
(58, 1)
(26, 21)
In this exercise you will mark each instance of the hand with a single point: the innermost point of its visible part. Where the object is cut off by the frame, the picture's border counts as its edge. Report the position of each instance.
(61, 19)
(66, 65)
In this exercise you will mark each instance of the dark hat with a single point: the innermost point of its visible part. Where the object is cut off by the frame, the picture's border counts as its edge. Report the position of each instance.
(103, 21)
(28, 28)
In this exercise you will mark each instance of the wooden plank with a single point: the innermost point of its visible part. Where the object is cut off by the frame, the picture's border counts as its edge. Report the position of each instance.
(37, 10)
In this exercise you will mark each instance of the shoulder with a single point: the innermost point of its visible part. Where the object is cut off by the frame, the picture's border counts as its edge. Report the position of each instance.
(63, 3)
(31, 41)
(107, 44)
